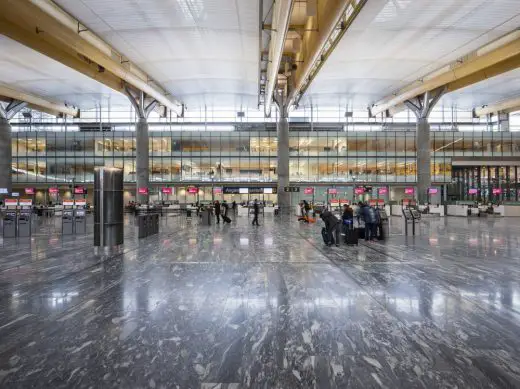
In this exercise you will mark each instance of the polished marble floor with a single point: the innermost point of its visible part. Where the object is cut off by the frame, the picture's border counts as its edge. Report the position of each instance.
(237, 306)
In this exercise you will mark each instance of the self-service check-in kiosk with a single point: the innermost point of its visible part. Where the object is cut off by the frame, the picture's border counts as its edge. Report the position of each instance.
(67, 221)
(24, 222)
(384, 229)
(9, 230)
(408, 222)
(80, 221)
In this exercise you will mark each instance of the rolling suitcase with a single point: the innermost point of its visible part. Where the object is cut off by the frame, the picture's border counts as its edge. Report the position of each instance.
(351, 234)
(226, 219)
(325, 235)
(361, 232)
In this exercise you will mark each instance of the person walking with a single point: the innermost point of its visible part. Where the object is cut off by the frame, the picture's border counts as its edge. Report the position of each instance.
(256, 211)
(217, 211)
(234, 207)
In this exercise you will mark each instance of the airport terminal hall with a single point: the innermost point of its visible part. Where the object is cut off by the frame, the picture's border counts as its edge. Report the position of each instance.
(264, 194)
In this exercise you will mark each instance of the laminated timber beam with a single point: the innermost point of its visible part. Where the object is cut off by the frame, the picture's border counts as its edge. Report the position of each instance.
(322, 33)
(504, 106)
(44, 27)
(493, 59)
(7, 93)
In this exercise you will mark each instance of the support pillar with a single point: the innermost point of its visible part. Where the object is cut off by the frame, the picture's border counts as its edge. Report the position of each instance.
(422, 106)
(143, 107)
(7, 112)
(282, 129)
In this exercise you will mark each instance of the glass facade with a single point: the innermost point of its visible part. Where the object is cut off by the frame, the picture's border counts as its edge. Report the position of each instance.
(485, 183)
(250, 156)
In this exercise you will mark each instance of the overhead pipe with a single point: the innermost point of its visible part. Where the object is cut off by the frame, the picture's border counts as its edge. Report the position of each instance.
(281, 18)
(104, 55)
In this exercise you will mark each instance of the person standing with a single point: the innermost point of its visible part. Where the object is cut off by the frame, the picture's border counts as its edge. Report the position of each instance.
(331, 224)
(217, 211)
(369, 215)
(234, 207)
(256, 211)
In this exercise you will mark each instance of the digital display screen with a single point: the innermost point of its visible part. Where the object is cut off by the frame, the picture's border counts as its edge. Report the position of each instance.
(54, 190)
(433, 191)
(79, 190)
(473, 191)
(497, 191)
(15, 194)
(359, 190)
(29, 191)
(193, 190)
(143, 190)
(409, 191)
(167, 191)
(308, 191)
(382, 191)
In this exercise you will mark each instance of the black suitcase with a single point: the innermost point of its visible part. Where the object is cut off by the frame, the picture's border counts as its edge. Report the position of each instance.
(325, 235)
(351, 235)
(361, 232)
(226, 219)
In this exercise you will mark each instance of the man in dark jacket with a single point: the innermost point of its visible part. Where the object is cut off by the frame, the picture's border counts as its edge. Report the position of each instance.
(331, 224)
(369, 214)
(256, 211)
(217, 211)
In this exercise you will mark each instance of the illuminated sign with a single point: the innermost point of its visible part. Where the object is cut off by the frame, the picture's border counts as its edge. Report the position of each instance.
(167, 191)
(332, 191)
(308, 191)
(54, 190)
(382, 191)
(29, 191)
(433, 191)
(143, 191)
(472, 191)
(409, 191)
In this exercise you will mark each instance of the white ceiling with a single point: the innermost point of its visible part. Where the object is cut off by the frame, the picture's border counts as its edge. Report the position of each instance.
(204, 52)
(394, 42)
(27, 70)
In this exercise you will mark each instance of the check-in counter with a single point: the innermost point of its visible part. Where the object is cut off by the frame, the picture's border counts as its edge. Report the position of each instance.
(457, 210)
(437, 210)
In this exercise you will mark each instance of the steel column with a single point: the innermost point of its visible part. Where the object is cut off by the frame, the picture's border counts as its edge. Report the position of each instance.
(282, 128)
(422, 106)
(6, 157)
(143, 106)
(142, 159)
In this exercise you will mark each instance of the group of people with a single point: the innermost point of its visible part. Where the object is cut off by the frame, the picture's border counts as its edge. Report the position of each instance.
(221, 209)
(366, 213)
(370, 215)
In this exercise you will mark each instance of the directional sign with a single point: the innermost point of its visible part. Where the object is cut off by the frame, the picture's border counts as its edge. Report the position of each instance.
(292, 189)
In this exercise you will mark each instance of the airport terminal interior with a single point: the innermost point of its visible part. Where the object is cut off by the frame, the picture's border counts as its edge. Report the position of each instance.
(267, 194)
